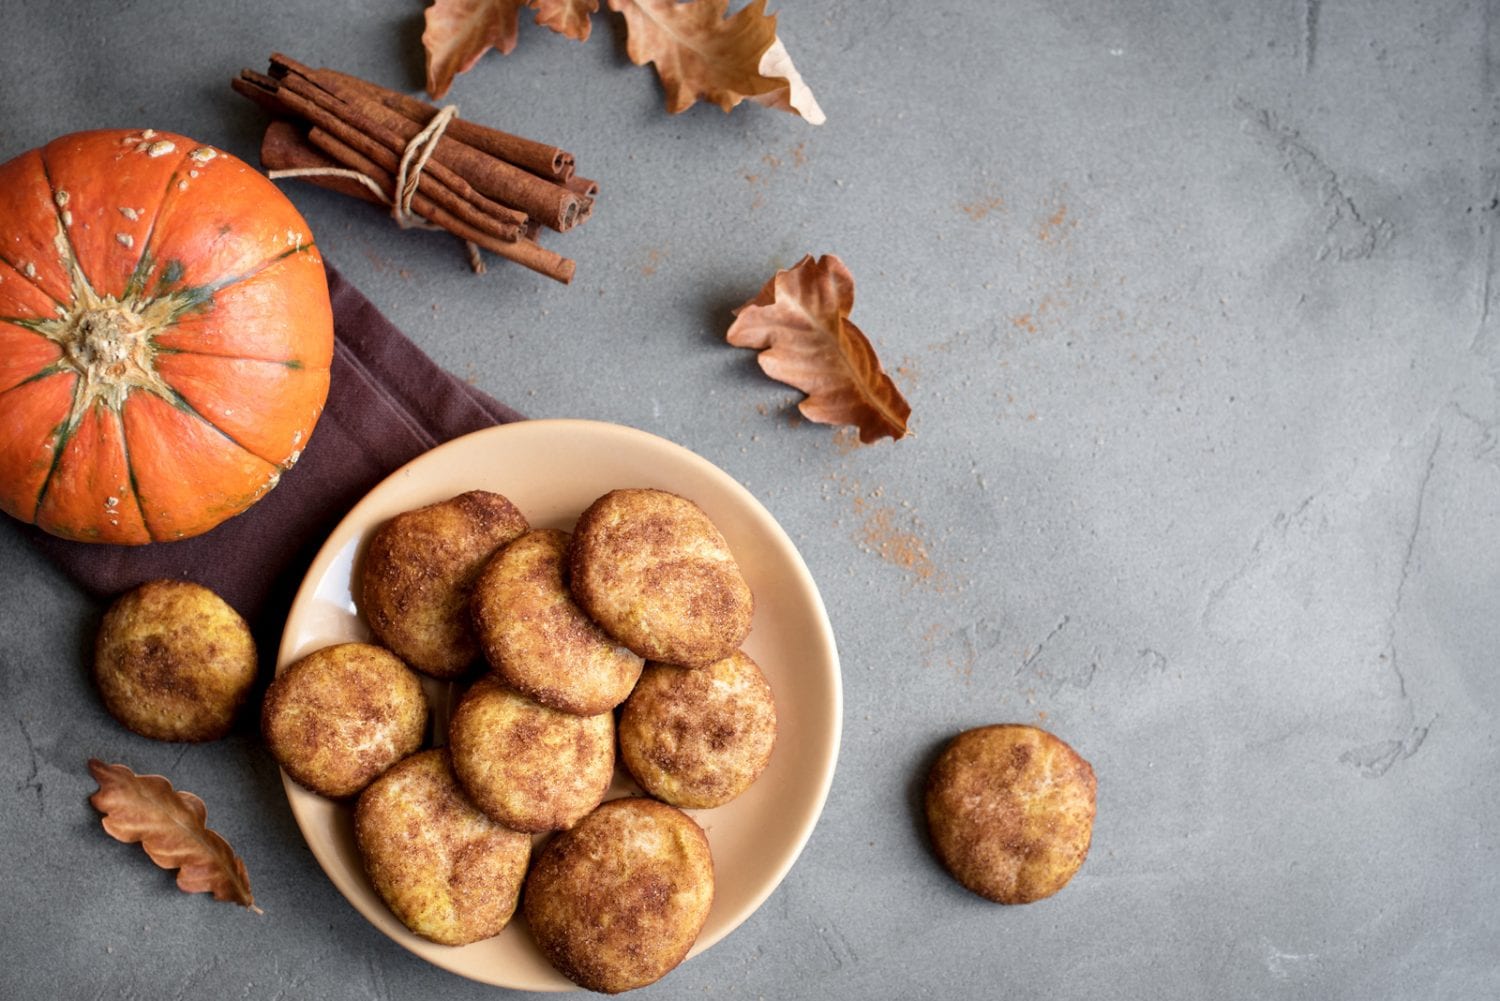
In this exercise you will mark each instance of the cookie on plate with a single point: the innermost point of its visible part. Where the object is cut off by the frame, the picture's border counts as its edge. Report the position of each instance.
(527, 766)
(538, 640)
(1011, 811)
(450, 873)
(651, 568)
(174, 662)
(418, 571)
(697, 737)
(340, 716)
(617, 902)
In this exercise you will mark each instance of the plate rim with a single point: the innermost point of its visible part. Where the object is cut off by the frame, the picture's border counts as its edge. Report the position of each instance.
(830, 744)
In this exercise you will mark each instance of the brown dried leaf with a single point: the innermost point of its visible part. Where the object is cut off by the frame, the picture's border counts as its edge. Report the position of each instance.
(172, 827)
(800, 324)
(699, 53)
(460, 31)
(796, 96)
(569, 18)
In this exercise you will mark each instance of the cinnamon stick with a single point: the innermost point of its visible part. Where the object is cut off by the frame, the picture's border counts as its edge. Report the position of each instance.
(585, 209)
(537, 157)
(284, 148)
(475, 190)
(258, 88)
(433, 209)
(436, 181)
(553, 204)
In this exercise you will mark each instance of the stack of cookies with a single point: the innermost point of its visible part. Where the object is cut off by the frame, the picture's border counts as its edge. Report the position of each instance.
(620, 642)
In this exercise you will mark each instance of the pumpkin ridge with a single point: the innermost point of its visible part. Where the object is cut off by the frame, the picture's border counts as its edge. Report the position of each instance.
(226, 506)
(135, 488)
(30, 280)
(63, 243)
(214, 288)
(39, 374)
(179, 401)
(31, 323)
(63, 433)
(292, 363)
(136, 284)
(195, 297)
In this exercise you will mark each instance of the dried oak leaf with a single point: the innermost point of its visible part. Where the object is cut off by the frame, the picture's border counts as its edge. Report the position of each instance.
(172, 827)
(569, 18)
(800, 324)
(701, 53)
(458, 32)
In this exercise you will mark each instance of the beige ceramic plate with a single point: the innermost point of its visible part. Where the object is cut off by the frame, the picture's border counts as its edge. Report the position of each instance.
(552, 470)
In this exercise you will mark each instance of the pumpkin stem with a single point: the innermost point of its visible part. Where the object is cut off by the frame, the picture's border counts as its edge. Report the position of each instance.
(110, 346)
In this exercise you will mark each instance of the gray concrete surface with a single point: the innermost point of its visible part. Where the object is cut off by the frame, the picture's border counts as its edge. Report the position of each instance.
(1195, 306)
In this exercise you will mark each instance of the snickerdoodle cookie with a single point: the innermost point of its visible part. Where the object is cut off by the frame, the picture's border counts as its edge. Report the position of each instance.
(538, 640)
(1011, 811)
(527, 766)
(342, 715)
(418, 571)
(697, 737)
(617, 902)
(450, 873)
(174, 662)
(651, 568)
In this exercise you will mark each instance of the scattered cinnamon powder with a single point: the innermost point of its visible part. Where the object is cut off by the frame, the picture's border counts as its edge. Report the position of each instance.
(1048, 230)
(653, 260)
(977, 210)
(893, 531)
(1031, 322)
(846, 439)
(961, 664)
(880, 534)
(773, 163)
(1056, 226)
(907, 370)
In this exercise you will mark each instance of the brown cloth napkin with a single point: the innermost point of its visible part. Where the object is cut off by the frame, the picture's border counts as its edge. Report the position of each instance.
(387, 403)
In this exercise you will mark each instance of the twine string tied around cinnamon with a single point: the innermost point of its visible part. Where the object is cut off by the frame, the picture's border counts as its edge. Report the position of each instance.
(414, 158)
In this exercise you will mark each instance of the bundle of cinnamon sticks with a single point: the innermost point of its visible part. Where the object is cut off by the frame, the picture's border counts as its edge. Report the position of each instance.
(489, 188)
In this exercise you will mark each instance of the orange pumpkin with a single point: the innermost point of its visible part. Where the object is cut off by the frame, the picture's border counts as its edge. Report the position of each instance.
(165, 336)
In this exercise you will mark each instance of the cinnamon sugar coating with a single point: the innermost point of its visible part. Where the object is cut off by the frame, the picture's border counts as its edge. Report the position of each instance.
(617, 902)
(697, 738)
(538, 640)
(418, 572)
(447, 871)
(525, 765)
(340, 716)
(653, 571)
(1011, 811)
(174, 662)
